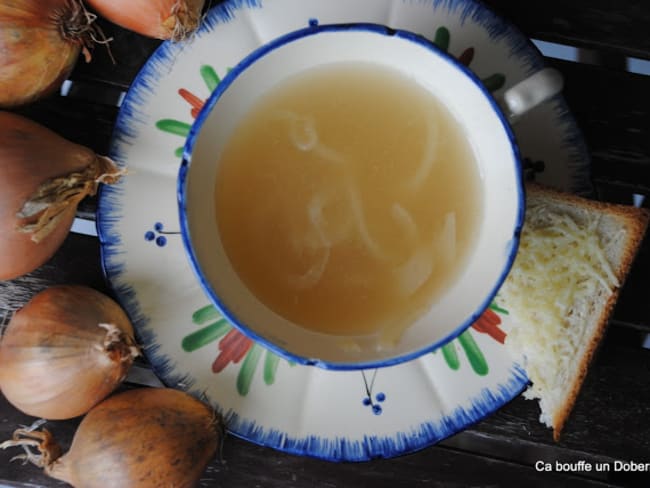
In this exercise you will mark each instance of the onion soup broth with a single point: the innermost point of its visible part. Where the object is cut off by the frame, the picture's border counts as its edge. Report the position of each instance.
(348, 200)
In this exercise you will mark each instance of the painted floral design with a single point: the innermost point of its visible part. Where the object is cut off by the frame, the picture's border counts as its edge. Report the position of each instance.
(233, 347)
(441, 39)
(181, 128)
(371, 399)
(488, 323)
(158, 234)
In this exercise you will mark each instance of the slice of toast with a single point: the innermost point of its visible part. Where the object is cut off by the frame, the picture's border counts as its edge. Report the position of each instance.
(573, 257)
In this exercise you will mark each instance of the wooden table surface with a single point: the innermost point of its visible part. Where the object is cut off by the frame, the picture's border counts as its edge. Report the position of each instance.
(611, 420)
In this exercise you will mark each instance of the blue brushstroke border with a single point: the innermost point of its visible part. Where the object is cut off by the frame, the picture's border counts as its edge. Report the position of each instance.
(110, 211)
(341, 449)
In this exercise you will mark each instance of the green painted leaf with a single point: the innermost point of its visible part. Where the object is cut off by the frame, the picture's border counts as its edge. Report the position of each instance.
(205, 336)
(271, 363)
(441, 38)
(494, 82)
(474, 354)
(450, 355)
(175, 127)
(204, 314)
(210, 77)
(247, 371)
(496, 308)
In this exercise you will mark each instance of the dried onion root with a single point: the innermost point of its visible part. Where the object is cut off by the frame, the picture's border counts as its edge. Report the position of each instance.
(47, 205)
(174, 20)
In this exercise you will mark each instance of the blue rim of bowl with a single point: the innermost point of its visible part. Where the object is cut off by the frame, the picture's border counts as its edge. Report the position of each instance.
(313, 29)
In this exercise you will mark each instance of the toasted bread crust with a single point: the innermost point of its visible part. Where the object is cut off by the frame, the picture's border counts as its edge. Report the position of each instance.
(561, 416)
(635, 221)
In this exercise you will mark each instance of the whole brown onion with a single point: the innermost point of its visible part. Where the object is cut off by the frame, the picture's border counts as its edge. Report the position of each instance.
(147, 437)
(65, 351)
(44, 177)
(40, 41)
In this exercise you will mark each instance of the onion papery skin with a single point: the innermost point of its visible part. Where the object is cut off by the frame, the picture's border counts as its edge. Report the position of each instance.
(40, 41)
(173, 20)
(147, 437)
(30, 155)
(65, 351)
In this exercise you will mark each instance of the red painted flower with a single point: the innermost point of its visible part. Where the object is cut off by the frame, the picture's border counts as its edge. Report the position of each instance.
(193, 100)
(232, 348)
(488, 323)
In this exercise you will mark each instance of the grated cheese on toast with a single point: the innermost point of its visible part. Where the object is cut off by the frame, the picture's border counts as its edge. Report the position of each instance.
(561, 289)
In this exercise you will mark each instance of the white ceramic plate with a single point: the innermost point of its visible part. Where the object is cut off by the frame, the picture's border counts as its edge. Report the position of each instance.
(351, 416)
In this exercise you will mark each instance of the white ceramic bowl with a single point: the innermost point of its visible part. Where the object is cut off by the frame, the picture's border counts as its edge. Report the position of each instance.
(467, 99)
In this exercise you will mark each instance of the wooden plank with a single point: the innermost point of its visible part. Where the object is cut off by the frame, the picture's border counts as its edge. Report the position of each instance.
(118, 62)
(247, 465)
(609, 418)
(613, 110)
(76, 262)
(618, 27)
(79, 120)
